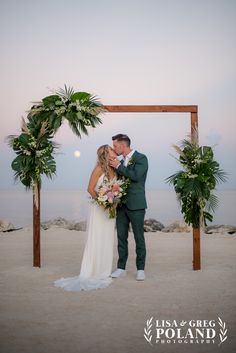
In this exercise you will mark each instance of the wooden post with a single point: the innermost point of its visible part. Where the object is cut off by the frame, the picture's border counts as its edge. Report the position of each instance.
(193, 110)
(196, 249)
(196, 231)
(36, 224)
(194, 127)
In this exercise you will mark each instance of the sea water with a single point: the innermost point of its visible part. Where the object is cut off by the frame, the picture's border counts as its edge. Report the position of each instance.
(16, 206)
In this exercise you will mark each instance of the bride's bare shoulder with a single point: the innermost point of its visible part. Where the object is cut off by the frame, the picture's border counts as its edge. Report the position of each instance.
(96, 173)
(97, 170)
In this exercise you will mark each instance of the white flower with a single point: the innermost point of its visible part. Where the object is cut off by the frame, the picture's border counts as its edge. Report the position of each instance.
(193, 176)
(102, 198)
(39, 153)
(197, 160)
(28, 153)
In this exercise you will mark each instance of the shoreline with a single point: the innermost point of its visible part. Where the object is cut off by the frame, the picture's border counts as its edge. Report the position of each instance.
(150, 225)
(74, 205)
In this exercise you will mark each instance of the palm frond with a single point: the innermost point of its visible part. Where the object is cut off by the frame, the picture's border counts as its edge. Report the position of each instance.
(212, 203)
(65, 93)
(34, 146)
(172, 178)
(177, 159)
(74, 128)
(221, 176)
(95, 102)
(10, 140)
(82, 127)
(194, 184)
(194, 187)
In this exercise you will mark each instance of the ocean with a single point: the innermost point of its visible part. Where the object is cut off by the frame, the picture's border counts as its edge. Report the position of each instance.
(16, 206)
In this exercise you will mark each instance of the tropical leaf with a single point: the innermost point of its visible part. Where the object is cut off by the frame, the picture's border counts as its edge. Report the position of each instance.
(34, 147)
(174, 177)
(193, 184)
(65, 93)
(51, 101)
(10, 139)
(80, 96)
(220, 176)
(212, 203)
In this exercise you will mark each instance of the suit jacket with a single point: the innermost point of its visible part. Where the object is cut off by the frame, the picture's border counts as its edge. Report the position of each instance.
(136, 171)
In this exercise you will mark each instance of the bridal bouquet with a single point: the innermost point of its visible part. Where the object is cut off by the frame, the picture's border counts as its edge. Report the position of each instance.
(112, 193)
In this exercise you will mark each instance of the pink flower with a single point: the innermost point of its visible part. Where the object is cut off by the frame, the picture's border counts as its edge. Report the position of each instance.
(110, 196)
(102, 191)
(115, 187)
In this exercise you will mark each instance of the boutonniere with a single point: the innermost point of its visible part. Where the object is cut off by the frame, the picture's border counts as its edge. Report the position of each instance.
(131, 162)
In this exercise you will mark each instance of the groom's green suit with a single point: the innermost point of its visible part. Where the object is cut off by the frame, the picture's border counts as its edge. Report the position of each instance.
(133, 211)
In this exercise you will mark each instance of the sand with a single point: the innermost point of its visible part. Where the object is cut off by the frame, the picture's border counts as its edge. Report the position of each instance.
(37, 317)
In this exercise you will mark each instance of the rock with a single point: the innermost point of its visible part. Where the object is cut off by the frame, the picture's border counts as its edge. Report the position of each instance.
(177, 226)
(59, 222)
(50, 223)
(152, 225)
(220, 229)
(81, 226)
(6, 226)
(63, 223)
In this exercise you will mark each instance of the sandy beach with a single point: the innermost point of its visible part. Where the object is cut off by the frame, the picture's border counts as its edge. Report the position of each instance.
(40, 318)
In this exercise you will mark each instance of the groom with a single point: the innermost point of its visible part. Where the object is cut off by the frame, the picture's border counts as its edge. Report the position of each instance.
(135, 167)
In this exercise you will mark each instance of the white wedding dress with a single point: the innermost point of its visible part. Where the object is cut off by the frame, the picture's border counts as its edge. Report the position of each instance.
(97, 259)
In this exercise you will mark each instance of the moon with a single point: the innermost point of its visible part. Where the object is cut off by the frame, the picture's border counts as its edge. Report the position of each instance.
(77, 154)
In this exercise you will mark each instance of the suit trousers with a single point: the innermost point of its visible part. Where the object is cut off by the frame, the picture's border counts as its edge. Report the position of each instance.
(126, 216)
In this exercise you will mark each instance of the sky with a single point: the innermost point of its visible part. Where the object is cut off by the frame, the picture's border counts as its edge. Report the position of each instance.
(124, 52)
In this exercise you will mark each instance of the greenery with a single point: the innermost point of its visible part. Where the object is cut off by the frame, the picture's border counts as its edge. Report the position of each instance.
(195, 183)
(80, 109)
(34, 155)
(34, 146)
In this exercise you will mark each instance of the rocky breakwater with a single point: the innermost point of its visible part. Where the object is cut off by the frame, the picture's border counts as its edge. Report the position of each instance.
(63, 223)
(7, 226)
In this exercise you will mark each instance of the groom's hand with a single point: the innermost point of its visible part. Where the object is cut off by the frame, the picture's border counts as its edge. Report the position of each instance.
(113, 162)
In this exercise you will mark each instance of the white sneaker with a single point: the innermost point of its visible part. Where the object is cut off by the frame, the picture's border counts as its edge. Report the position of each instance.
(118, 273)
(140, 275)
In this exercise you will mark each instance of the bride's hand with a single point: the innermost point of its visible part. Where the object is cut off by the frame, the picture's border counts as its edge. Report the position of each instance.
(113, 162)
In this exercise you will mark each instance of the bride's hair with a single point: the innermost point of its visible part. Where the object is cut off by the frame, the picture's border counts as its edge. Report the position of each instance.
(103, 159)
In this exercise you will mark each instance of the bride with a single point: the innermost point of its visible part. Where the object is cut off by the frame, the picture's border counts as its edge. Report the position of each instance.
(97, 259)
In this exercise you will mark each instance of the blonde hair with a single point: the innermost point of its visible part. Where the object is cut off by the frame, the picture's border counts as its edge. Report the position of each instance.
(103, 159)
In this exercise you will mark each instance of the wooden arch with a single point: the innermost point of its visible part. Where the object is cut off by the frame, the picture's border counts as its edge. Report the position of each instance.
(193, 110)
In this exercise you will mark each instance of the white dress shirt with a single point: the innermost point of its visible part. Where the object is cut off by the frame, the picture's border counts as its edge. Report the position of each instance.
(128, 158)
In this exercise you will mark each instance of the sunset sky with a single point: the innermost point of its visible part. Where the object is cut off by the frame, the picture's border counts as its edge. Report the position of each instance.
(124, 52)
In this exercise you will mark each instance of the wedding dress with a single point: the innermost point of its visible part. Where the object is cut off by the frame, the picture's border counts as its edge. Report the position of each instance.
(97, 258)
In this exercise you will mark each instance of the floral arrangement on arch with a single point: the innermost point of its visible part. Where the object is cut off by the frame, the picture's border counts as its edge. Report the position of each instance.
(195, 183)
